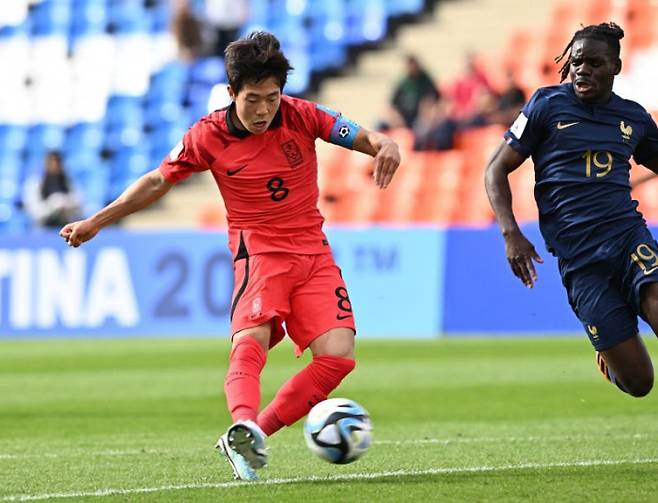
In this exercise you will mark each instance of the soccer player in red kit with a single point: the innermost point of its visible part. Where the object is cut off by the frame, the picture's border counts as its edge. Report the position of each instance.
(261, 152)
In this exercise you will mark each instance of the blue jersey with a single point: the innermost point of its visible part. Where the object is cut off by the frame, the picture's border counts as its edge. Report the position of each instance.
(581, 155)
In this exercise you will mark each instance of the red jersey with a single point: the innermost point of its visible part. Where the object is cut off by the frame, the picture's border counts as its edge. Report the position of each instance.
(268, 181)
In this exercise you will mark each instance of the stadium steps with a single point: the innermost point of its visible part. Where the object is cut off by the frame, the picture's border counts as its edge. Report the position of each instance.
(442, 40)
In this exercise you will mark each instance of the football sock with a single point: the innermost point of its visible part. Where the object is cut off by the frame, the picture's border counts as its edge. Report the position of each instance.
(310, 386)
(607, 372)
(242, 382)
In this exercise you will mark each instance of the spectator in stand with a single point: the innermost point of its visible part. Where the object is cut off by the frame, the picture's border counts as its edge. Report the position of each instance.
(187, 29)
(416, 86)
(467, 91)
(434, 129)
(225, 19)
(50, 200)
(510, 102)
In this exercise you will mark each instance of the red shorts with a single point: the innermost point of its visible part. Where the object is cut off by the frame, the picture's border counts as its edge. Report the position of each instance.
(306, 292)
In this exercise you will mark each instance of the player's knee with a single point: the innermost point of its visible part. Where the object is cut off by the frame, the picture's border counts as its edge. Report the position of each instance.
(639, 386)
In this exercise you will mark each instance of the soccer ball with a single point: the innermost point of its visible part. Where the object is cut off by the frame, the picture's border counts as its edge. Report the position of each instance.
(338, 430)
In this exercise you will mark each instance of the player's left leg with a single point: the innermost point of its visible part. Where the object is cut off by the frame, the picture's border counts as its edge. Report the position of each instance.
(319, 306)
(333, 359)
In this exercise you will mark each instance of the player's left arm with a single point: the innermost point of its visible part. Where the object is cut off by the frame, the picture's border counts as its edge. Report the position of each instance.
(646, 152)
(385, 151)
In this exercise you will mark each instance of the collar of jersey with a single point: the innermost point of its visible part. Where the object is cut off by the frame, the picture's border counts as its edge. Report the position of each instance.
(243, 133)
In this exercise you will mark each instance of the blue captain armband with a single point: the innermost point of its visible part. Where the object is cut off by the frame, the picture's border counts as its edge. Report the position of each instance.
(344, 132)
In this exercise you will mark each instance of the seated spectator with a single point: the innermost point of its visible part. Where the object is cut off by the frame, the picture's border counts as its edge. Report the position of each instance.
(416, 86)
(187, 30)
(468, 90)
(510, 102)
(434, 129)
(50, 200)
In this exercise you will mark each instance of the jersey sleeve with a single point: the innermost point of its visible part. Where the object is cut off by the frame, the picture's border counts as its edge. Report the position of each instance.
(525, 134)
(647, 148)
(187, 157)
(334, 128)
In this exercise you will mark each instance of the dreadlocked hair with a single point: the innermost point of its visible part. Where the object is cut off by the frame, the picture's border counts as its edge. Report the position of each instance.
(610, 33)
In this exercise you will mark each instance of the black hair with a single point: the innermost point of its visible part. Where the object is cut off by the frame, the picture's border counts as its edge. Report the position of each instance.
(255, 58)
(610, 33)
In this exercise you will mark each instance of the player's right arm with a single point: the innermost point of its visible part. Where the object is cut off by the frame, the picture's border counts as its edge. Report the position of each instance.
(519, 250)
(140, 194)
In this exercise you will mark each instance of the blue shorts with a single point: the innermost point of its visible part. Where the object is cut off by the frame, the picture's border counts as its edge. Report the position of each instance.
(605, 294)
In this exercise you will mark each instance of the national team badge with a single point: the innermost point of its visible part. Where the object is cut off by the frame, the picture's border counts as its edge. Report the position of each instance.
(292, 152)
(626, 131)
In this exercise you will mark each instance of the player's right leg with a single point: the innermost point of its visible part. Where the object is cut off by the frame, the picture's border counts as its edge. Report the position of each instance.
(611, 325)
(628, 366)
(243, 444)
(262, 285)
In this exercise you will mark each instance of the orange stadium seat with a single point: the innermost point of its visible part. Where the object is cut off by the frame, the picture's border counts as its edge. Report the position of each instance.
(522, 182)
(438, 196)
(213, 215)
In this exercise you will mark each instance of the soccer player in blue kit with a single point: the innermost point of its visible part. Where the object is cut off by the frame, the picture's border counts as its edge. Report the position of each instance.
(581, 136)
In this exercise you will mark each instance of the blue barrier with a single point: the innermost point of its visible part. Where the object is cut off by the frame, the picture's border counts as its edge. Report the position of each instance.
(482, 294)
(180, 283)
(402, 283)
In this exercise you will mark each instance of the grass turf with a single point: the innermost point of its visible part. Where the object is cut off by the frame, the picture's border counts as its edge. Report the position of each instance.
(455, 420)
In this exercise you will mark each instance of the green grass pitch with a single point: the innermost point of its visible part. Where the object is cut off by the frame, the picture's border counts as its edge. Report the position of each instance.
(506, 419)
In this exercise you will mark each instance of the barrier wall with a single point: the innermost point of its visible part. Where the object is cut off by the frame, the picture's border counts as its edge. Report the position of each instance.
(180, 283)
(402, 282)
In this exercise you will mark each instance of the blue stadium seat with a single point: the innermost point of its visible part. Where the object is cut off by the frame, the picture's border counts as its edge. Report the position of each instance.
(126, 166)
(366, 21)
(163, 139)
(45, 137)
(94, 185)
(169, 83)
(89, 19)
(160, 112)
(12, 137)
(51, 17)
(85, 136)
(198, 94)
(77, 163)
(10, 176)
(404, 7)
(159, 17)
(299, 79)
(12, 220)
(19, 30)
(127, 16)
(123, 110)
(208, 70)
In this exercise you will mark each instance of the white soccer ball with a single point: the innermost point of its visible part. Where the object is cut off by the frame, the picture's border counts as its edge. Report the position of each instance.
(338, 430)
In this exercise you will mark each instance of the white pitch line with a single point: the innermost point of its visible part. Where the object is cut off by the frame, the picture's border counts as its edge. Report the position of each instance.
(332, 478)
(418, 441)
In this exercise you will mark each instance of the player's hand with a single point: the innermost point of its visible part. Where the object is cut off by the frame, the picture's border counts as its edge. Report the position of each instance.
(387, 161)
(520, 254)
(78, 232)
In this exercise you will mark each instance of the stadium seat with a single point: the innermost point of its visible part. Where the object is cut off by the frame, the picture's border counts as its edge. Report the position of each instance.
(209, 70)
(50, 17)
(12, 137)
(45, 137)
(85, 136)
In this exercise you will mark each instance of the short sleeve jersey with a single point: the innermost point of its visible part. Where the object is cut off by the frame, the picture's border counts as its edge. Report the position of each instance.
(268, 181)
(581, 156)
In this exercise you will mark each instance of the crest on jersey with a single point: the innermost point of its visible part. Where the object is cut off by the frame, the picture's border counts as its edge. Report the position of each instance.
(292, 152)
(626, 131)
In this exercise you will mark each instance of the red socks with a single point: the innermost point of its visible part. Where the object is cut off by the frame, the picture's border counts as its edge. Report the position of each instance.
(310, 386)
(242, 382)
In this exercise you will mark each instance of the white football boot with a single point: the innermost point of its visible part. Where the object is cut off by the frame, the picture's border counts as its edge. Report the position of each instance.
(243, 445)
